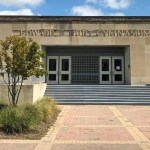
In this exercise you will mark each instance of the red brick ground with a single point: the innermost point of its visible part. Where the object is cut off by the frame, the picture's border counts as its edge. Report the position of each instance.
(145, 131)
(138, 115)
(95, 147)
(84, 125)
(96, 127)
(101, 120)
(90, 133)
(90, 110)
(14, 146)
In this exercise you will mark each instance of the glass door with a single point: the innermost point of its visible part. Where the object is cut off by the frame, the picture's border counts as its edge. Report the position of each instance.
(52, 68)
(111, 70)
(118, 70)
(65, 70)
(105, 70)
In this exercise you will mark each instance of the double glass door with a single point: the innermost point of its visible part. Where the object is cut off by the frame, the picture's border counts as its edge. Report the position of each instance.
(111, 70)
(59, 69)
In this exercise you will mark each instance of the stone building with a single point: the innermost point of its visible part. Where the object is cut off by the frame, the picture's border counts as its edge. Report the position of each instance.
(87, 50)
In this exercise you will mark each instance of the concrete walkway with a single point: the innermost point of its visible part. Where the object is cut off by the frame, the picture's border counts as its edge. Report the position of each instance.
(95, 127)
(18, 144)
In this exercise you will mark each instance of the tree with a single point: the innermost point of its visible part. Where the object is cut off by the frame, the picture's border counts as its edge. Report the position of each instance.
(20, 58)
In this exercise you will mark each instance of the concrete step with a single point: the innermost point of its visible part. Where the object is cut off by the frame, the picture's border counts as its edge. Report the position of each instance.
(97, 94)
(97, 87)
(103, 87)
(103, 103)
(101, 98)
(96, 90)
(124, 86)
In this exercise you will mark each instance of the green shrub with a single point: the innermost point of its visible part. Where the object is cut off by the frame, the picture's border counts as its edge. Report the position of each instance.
(24, 118)
(47, 109)
(16, 119)
(2, 106)
(11, 119)
(32, 114)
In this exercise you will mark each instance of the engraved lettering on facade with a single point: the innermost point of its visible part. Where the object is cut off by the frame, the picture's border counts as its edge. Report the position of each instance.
(82, 33)
(16, 32)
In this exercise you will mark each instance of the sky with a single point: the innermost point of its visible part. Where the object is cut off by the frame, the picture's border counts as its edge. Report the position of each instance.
(75, 7)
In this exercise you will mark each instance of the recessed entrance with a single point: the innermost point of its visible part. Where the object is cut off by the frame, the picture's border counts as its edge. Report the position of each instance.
(111, 70)
(59, 69)
(86, 65)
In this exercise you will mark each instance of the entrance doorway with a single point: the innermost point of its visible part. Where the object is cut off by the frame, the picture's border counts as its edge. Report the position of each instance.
(59, 69)
(111, 70)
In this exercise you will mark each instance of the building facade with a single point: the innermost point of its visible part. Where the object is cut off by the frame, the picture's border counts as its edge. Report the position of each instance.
(88, 50)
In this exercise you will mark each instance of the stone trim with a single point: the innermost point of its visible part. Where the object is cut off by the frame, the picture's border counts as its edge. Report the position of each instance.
(103, 19)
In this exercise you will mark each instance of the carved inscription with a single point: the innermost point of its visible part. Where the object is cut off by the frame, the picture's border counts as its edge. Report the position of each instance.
(82, 33)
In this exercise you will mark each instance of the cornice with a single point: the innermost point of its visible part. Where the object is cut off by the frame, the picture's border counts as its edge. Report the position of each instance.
(115, 19)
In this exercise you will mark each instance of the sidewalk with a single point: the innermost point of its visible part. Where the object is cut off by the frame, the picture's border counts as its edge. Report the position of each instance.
(95, 127)
(18, 144)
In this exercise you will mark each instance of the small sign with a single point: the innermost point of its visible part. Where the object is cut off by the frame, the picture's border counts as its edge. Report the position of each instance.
(117, 67)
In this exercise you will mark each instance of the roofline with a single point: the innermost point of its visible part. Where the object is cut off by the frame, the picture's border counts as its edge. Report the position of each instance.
(75, 19)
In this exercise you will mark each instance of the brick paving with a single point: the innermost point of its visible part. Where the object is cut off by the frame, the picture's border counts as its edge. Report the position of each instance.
(10, 146)
(95, 147)
(84, 120)
(96, 133)
(145, 131)
(18, 144)
(97, 127)
(89, 127)
(138, 115)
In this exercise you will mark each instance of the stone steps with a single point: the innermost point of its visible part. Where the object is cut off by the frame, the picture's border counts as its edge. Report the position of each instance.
(99, 94)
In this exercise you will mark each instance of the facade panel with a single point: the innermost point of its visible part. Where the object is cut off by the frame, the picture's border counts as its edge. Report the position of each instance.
(86, 39)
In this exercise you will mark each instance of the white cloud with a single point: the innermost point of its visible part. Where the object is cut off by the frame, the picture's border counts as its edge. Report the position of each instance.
(92, 1)
(27, 12)
(86, 10)
(21, 3)
(117, 14)
(117, 4)
(114, 4)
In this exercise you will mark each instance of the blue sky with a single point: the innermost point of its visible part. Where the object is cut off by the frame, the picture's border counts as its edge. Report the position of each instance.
(75, 7)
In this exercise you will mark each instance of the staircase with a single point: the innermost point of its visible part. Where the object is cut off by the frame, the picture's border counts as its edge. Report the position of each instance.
(99, 94)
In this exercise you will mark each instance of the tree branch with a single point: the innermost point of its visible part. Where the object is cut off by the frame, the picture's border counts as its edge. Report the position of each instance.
(19, 90)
